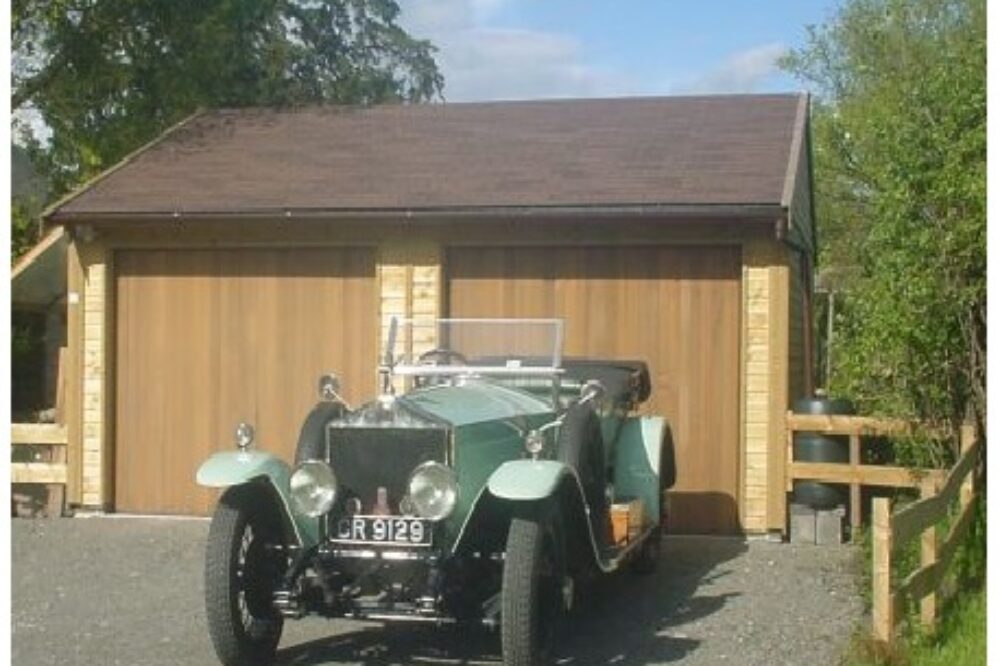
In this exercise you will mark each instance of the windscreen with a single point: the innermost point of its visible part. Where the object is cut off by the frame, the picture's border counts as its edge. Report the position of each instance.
(483, 346)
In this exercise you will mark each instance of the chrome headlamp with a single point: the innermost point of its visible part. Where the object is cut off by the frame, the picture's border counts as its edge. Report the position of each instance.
(534, 442)
(433, 490)
(313, 488)
(244, 435)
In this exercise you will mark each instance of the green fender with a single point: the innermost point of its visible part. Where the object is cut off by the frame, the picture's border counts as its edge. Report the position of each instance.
(637, 460)
(527, 480)
(232, 468)
(531, 480)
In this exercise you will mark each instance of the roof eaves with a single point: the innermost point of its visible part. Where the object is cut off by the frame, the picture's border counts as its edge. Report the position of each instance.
(36, 251)
(50, 211)
(762, 210)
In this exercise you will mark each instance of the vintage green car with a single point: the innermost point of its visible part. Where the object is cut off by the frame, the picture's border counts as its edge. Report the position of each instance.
(488, 480)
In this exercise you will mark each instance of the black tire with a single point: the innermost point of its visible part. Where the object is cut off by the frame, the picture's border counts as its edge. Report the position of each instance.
(240, 576)
(532, 604)
(312, 437)
(581, 446)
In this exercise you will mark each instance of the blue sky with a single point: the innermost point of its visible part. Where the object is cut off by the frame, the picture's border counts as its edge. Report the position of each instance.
(525, 49)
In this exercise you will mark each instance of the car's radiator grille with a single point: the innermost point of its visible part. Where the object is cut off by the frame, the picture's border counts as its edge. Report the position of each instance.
(366, 458)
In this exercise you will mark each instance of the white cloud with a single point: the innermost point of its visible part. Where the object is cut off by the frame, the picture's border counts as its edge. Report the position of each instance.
(742, 72)
(481, 61)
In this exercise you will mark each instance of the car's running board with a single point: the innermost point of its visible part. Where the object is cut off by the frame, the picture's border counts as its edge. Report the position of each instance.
(616, 555)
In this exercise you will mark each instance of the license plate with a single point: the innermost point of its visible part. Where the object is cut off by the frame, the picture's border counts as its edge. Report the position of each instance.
(382, 530)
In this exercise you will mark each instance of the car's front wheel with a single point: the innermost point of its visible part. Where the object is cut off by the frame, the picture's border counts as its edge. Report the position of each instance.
(532, 604)
(240, 575)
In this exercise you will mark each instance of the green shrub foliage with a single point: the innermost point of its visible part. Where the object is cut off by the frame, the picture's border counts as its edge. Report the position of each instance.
(899, 136)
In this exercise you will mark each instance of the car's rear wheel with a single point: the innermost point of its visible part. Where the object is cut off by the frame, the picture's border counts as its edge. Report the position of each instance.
(532, 604)
(241, 571)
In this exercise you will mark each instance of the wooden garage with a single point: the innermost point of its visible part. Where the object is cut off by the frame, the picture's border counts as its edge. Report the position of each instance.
(215, 274)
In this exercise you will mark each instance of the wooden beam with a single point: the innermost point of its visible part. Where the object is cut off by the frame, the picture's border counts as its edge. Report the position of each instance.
(928, 559)
(38, 433)
(883, 621)
(858, 425)
(919, 584)
(789, 456)
(38, 472)
(927, 579)
(916, 517)
(61, 387)
(955, 536)
(967, 440)
(74, 375)
(866, 475)
(855, 457)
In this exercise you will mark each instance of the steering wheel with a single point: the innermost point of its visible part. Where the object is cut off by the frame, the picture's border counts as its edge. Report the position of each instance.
(442, 356)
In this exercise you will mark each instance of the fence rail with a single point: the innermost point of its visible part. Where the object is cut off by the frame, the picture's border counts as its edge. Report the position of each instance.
(891, 531)
(854, 473)
(46, 443)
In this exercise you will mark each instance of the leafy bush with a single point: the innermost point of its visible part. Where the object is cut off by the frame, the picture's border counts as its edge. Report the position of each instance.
(899, 135)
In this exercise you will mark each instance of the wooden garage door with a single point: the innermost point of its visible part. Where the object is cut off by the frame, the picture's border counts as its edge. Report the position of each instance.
(208, 338)
(677, 308)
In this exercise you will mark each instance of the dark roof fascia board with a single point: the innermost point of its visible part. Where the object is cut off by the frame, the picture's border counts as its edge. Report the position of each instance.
(814, 255)
(795, 151)
(654, 211)
(51, 212)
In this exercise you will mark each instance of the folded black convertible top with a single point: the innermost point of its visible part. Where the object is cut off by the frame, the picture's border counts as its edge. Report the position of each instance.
(626, 381)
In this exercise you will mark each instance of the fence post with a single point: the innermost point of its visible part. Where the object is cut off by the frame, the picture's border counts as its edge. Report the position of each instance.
(882, 620)
(928, 557)
(855, 454)
(790, 451)
(966, 441)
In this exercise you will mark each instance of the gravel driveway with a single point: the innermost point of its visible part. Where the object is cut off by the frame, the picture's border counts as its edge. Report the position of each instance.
(128, 591)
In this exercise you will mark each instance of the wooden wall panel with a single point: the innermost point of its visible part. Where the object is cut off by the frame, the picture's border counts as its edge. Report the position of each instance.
(206, 338)
(677, 308)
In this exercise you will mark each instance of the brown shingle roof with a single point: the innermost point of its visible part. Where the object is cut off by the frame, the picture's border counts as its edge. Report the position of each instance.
(718, 150)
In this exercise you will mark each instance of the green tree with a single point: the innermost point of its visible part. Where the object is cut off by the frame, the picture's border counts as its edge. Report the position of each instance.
(900, 173)
(109, 75)
(24, 213)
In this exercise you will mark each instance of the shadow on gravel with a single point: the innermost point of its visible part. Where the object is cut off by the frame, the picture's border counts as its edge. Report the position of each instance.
(622, 619)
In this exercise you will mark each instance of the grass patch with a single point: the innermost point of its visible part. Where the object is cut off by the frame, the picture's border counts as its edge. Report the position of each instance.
(962, 638)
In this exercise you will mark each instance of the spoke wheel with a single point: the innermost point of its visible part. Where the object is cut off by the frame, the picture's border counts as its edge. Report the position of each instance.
(532, 596)
(240, 575)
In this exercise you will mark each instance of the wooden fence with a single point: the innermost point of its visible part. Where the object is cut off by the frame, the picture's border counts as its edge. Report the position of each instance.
(891, 531)
(45, 445)
(853, 473)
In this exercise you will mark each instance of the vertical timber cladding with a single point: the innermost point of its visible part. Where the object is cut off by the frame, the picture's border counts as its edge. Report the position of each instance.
(678, 308)
(207, 338)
